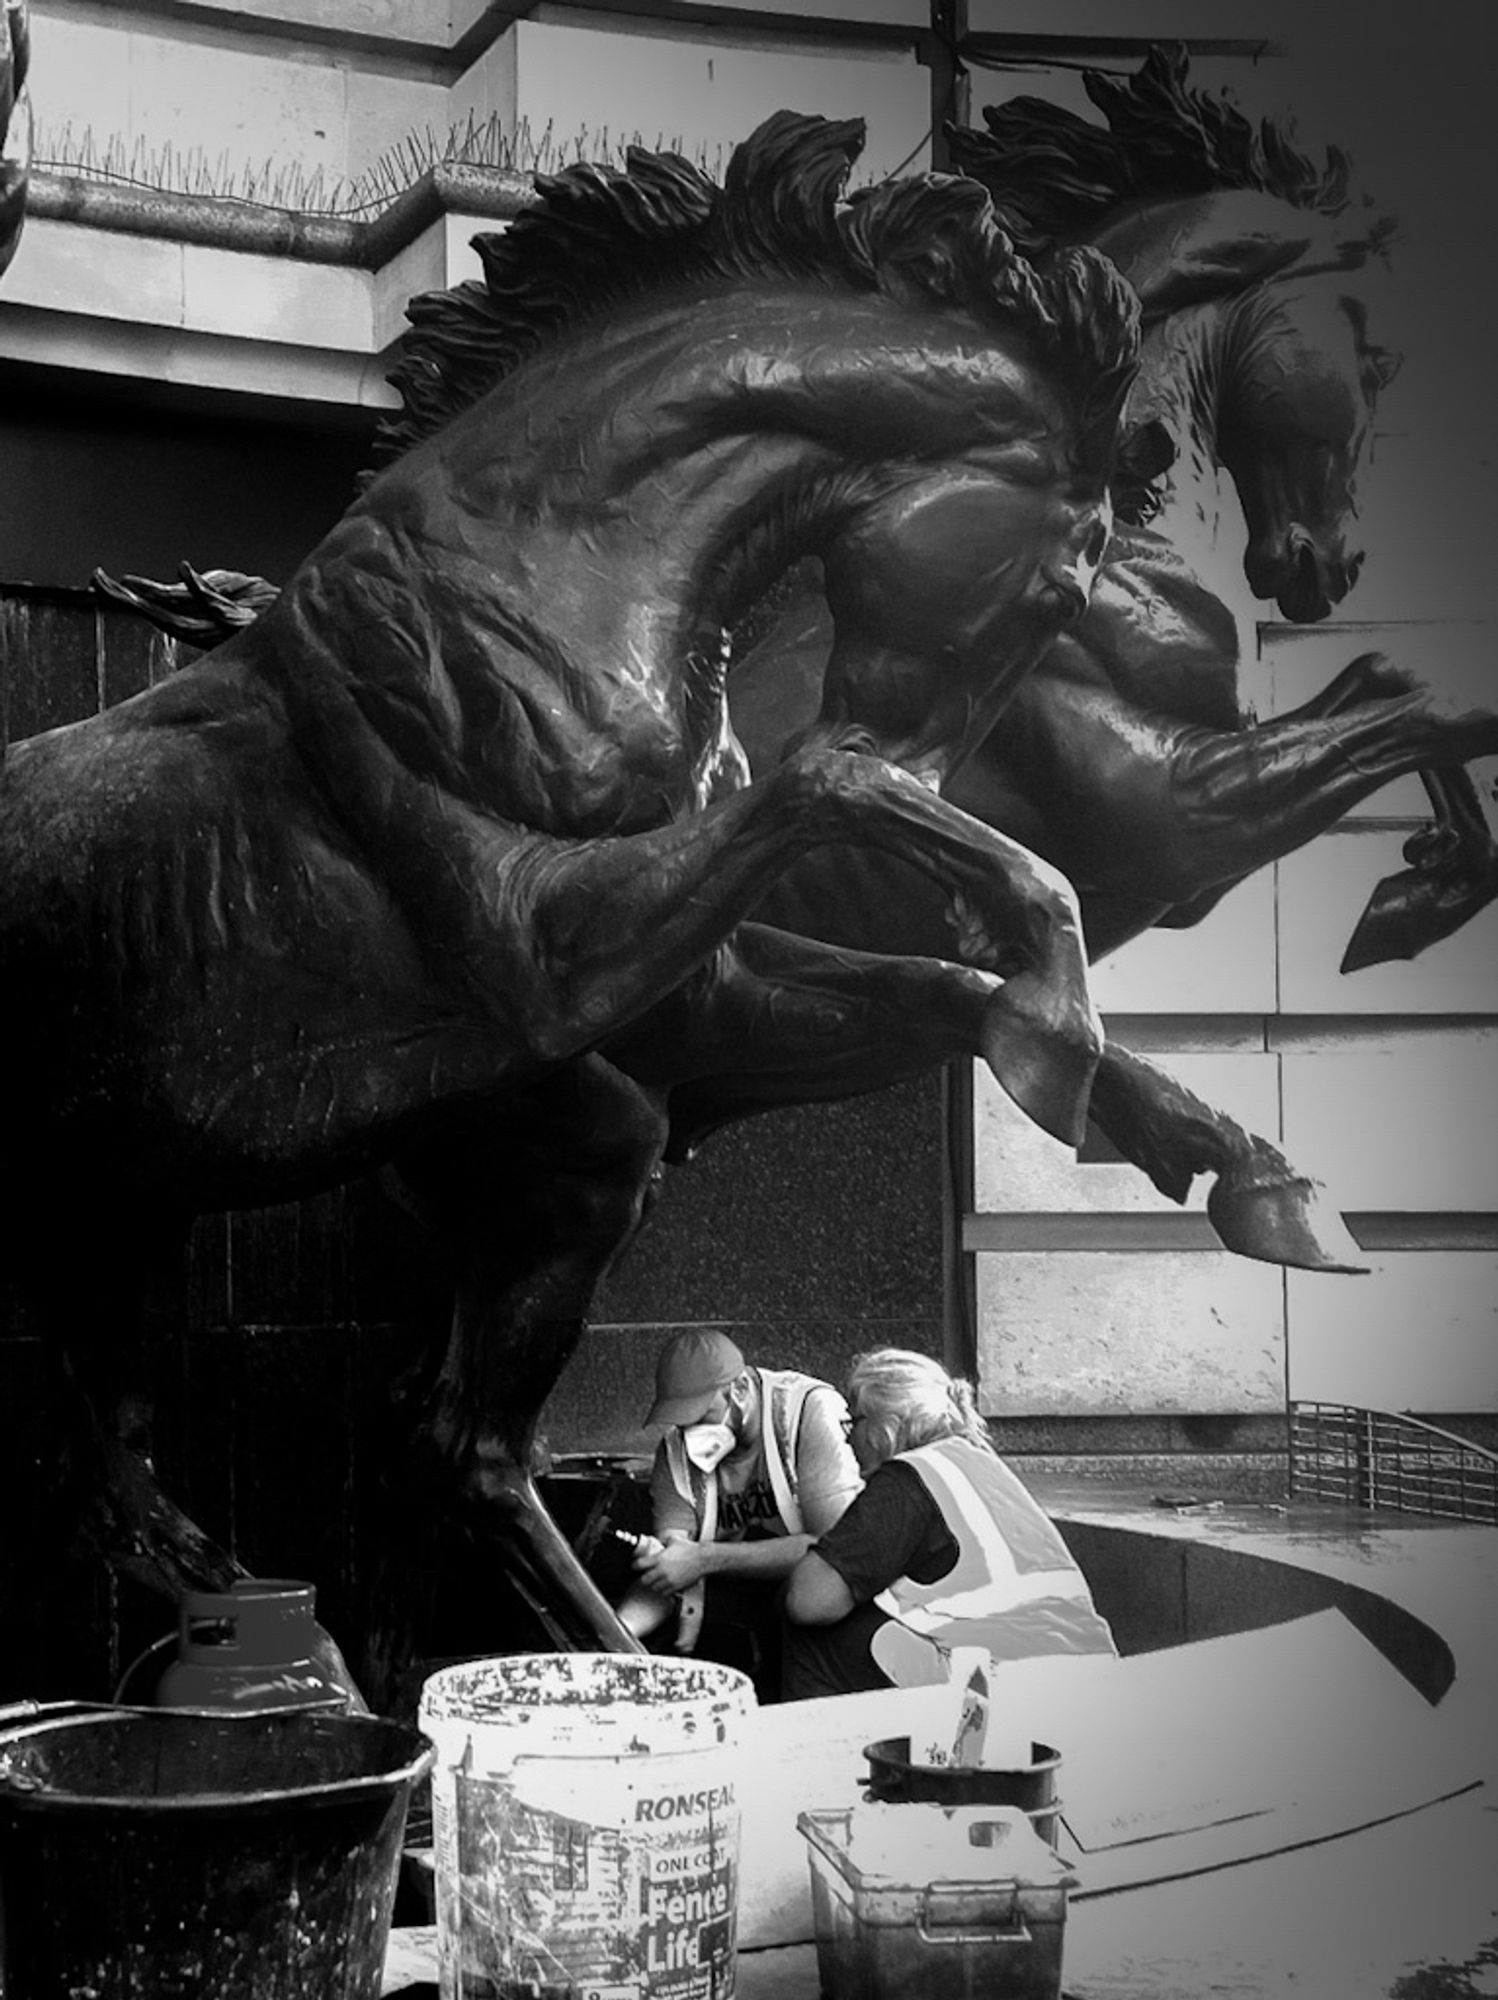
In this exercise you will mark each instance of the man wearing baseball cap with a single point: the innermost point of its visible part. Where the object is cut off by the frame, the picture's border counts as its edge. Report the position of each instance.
(754, 1465)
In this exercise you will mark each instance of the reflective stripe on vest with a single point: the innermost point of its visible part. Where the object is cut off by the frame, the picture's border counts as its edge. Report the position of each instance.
(1014, 1586)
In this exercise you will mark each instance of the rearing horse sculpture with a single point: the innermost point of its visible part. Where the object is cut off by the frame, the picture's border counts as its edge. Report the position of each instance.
(1253, 269)
(1125, 758)
(375, 881)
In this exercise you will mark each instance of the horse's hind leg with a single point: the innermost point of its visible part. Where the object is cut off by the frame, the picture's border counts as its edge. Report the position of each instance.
(1260, 1205)
(531, 1204)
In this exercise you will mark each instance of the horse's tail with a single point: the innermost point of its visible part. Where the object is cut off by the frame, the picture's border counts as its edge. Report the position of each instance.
(203, 609)
(15, 124)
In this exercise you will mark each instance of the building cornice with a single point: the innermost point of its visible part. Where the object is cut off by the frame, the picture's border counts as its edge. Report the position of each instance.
(362, 243)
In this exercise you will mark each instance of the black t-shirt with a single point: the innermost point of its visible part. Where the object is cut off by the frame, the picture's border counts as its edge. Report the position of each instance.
(893, 1529)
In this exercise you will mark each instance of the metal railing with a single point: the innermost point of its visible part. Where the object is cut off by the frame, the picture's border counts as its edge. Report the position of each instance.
(1374, 1458)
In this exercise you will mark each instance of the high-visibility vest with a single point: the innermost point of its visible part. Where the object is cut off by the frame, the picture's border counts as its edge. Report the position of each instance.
(1014, 1588)
(783, 1394)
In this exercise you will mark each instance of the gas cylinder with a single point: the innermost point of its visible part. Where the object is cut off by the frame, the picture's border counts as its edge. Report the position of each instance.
(249, 1647)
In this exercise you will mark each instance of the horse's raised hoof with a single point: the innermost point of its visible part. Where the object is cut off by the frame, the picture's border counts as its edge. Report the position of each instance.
(1047, 1071)
(1287, 1221)
(1410, 911)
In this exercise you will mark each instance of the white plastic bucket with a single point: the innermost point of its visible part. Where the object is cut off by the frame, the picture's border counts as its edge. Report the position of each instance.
(585, 1812)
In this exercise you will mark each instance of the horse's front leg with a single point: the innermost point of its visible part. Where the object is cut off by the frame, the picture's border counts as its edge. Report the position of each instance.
(1453, 872)
(775, 1018)
(531, 1209)
(618, 924)
(1140, 805)
(781, 1019)
(1260, 1205)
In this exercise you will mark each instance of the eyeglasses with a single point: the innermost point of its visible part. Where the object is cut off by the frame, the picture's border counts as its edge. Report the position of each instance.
(850, 1424)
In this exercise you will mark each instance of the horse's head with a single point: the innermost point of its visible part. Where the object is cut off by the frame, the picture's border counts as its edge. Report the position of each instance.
(1248, 261)
(1268, 304)
(1297, 398)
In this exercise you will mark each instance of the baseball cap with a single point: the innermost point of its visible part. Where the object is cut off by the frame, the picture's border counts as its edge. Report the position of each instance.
(692, 1365)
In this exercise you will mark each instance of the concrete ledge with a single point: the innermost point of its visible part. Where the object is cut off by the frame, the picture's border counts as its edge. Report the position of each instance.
(203, 292)
(1159, 1589)
(1287, 1680)
(184, 358)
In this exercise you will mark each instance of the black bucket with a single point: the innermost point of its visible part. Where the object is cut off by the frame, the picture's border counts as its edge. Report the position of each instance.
(894, 1780)
(156, 1854)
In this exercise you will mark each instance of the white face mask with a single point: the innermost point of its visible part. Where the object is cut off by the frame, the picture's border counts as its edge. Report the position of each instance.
(707, 1445)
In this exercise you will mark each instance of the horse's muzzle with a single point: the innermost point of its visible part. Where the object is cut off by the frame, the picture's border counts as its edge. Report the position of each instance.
(1305, 581)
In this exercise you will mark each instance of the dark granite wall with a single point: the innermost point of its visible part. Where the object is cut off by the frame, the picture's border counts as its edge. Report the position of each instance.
(806, 1234)
(93, 480)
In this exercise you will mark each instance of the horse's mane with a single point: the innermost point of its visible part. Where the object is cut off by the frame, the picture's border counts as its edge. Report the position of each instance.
(599, 236)
(1053, 175)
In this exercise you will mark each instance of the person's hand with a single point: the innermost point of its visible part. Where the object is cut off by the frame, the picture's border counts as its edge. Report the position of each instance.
(673, 1569)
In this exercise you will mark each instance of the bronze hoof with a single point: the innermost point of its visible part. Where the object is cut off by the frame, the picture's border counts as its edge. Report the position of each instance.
(1284, 1222)
(1410, 911)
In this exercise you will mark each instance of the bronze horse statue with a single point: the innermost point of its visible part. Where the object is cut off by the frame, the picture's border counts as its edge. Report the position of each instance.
(1126, 758)
(1259, 283)
(387, 878)
(770, 1016)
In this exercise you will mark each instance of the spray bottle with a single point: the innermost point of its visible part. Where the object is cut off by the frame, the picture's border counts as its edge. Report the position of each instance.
(690, 1604)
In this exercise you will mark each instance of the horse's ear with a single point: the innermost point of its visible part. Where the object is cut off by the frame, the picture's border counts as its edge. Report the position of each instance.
(1207, 246)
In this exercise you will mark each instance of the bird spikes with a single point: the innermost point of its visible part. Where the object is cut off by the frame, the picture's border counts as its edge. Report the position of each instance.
(294, 186)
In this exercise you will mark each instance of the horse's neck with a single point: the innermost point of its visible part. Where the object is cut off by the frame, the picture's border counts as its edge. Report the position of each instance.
(563, 556)
(630, 476)
(688, 450)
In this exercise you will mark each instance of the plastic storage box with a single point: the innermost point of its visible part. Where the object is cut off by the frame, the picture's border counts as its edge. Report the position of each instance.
(888, 1932)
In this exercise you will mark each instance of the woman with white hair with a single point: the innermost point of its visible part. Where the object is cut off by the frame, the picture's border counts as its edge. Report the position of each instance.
(944, 1547)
